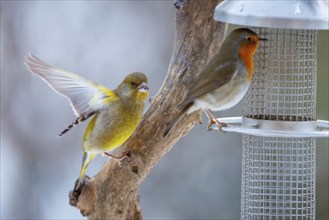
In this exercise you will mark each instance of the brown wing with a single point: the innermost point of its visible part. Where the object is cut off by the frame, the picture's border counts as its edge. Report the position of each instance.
(212, 77)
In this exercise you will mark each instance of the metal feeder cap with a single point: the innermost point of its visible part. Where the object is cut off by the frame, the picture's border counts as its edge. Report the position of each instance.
(275, 14)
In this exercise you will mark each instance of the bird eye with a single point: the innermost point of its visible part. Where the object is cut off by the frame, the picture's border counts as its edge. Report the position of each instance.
(133, 84)
(248, 38)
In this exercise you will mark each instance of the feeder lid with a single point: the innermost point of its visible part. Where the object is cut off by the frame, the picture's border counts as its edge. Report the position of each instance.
(275, 14)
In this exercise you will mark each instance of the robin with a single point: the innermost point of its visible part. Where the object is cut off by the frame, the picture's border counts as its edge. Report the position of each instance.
(224, 81)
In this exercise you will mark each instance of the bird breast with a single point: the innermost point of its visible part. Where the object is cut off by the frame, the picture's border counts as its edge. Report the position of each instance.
(112, 128)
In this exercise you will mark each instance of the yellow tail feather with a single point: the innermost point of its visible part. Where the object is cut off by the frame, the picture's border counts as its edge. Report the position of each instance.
(87, 158)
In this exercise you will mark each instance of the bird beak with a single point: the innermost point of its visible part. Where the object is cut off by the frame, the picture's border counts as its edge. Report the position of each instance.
(143, 87)
(262, 39)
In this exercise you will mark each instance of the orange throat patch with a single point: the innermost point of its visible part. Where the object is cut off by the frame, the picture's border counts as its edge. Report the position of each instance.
(246, 54)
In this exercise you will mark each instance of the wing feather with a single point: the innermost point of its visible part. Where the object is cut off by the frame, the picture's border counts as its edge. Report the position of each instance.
(83, 95)
(210, 78)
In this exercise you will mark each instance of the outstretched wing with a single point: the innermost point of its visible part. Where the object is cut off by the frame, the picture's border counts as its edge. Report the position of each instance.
(85, 96)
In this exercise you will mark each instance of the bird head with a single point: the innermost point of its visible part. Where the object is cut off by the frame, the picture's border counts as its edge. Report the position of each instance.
(247, 40)
(242, 44)
(241, 40)
(134, 86)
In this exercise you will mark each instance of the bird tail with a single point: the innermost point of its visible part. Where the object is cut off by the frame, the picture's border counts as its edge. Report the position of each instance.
(87, 158)
(178, 117)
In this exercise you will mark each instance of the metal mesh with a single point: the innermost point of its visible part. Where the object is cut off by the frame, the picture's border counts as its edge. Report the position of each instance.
(278, 174)
(284, 81)
(278, 178)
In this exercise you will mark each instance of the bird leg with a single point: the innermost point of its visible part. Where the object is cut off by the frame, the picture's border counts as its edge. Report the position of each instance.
(120, 158)
(213, 120)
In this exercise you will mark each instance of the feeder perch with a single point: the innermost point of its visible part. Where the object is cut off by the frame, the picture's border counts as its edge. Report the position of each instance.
(279, 123)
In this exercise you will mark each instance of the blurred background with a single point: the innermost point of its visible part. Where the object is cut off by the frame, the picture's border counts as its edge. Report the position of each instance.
(103, 41)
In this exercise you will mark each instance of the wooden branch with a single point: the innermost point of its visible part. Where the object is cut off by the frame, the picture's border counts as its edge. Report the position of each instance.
(113, 193)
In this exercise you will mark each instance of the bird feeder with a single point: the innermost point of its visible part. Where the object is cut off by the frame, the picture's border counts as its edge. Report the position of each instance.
(279, 123)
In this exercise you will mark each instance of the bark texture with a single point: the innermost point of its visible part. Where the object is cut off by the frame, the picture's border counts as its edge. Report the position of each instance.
(113, 192)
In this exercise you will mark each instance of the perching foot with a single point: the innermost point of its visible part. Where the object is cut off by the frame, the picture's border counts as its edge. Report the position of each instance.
(219, 124)
(210, 123)
(120, 158)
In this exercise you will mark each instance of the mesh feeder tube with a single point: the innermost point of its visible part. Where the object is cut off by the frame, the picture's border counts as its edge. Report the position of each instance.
(279, 123)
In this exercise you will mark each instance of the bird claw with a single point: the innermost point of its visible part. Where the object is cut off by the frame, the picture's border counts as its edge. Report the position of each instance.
(219, 124)
(119, 159)
(210, 123)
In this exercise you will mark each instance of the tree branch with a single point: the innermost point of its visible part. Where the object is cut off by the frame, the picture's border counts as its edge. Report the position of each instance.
(113, 193)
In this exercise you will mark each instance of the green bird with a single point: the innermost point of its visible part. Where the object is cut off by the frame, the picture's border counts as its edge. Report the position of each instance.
(115, 113)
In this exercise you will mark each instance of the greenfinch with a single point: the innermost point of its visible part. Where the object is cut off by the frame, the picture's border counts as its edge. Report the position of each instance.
(224, 81)
(115, 113)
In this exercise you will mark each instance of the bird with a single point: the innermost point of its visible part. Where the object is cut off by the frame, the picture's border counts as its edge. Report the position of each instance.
(114, 114)
(224, 80)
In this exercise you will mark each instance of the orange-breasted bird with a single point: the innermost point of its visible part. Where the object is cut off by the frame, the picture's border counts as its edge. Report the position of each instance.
(224, 81)
(115, 113)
